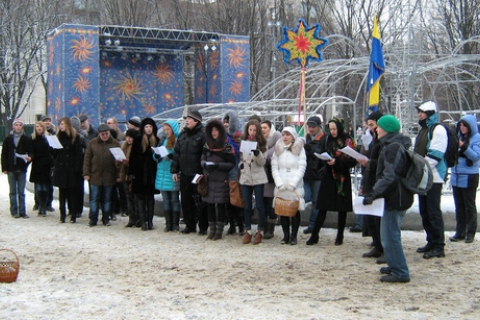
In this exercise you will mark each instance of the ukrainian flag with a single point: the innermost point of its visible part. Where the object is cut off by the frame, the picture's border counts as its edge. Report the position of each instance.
(377, 68)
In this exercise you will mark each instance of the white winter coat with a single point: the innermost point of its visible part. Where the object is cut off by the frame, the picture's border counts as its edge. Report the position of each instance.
(288, 167)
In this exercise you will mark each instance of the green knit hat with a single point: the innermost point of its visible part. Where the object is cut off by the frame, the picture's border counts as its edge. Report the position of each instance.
(389, 123)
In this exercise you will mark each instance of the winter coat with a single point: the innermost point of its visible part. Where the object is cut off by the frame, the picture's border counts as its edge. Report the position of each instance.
(164, 180)
(233, 137)
(314, 164)
(11, 163)
(99, 162)
(391, 166)
(288, 167)
(252, 170)
(336, 188)
(67, 171)
(142, 167)
(221, 153)
(42, 161)
(273, 137)
(370, 172)
(188, 151)
(465, 172)
(433, 147)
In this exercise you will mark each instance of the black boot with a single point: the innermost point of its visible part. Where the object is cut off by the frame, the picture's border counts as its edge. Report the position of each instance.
(316, 229)
(142, 214)
(212, 226)
(342, 220)
(176, 221)
(240, 220)
(150, 212)
(295, 227)
(168, 221)
(219, 230)
(63, 215)
(285, 222)
(42, 203)
(270, 229)
(232, 212)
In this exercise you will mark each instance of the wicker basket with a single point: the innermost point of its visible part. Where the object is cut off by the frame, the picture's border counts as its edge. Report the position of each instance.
(8, 269)
(287, 207)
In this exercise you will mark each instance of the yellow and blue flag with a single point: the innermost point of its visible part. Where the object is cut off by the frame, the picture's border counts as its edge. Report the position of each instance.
(377, 69)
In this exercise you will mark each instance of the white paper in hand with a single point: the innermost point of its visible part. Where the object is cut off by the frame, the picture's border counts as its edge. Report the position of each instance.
(324, 156)
(161, 151)
(374, 209)
(352, 153)
(246, 146)
(54, 142)
(195, 179)
(118, 154)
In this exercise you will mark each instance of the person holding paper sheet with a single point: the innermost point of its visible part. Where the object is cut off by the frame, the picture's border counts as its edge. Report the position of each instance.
(102, 171)
(15, 168)
(391, 166)
(253, 178)
(164, 181)
(218, 159)
(336, 187)
(185, 165)
(372, 151)
(67, 172)
(143, 171)
(288, 167)
(133, 216)
(42, 163)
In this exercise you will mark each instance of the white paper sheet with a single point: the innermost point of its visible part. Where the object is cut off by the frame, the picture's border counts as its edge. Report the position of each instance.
(53, 142)
(374, 209)
(352, 153)
(247, 146)
(195, 179)
(21, 156)
(162, 151)
(209, 163)
(324, 156)
(118, 154)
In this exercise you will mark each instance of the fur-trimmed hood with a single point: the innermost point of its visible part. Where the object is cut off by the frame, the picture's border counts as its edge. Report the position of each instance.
(220, 142)
(234, 124)
(273, 137)
(297, 147)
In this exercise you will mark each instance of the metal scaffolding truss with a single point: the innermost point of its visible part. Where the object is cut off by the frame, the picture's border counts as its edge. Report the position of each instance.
(151, 40)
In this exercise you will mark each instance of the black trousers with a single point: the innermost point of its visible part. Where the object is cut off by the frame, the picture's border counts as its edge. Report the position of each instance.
(432, 218)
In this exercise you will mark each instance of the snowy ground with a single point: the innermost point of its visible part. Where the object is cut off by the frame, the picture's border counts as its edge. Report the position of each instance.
(71, 271)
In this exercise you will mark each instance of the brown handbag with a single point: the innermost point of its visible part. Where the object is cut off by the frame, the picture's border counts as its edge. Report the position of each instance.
(236, 198)
(202, 186)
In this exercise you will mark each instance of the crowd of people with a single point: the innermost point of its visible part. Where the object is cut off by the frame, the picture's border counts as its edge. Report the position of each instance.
(265, 163)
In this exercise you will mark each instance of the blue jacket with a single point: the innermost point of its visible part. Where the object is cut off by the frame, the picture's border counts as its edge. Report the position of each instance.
(164, 181)
(465, 173)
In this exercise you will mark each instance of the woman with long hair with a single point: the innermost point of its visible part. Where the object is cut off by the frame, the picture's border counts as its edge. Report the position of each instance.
(272, 136)
(133, 218)
(67, 172)
(288, 167)
(143, 171)
(252, 179)
(42, 163)
(164, 182)
(218, 159)
(464, 179)
(336, 188)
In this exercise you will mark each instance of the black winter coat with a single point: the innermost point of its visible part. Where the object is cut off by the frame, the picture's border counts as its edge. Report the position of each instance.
(142, 168)
(218, 187)
(329, 197)
(188, 151)
(314, 164)
(67, 171)
(391, 166)
(42, 161)
(370, 172)
(9, 161)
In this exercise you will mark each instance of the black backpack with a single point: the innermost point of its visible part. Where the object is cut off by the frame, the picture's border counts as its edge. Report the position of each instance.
(451, 154)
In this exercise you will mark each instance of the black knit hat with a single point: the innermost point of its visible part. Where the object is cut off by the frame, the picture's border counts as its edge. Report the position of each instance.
(374, 116)
(194, 114)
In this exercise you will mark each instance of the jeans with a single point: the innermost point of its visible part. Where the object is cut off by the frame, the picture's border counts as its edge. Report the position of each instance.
(16, 182)
(312, 188)
(100, 195)
(391, 236)
(432, 218)
(171, 201)
(465, 211)
(247, 192)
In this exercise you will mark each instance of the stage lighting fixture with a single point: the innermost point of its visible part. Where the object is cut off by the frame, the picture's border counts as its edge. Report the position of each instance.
(116, 42)
(124, 56)
(149, 57)
(108, 42)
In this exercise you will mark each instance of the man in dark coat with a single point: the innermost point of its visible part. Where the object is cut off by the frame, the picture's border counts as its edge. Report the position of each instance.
(391, 165)
(101, 169)
(85, 123)
(185, 165)
(16, 151)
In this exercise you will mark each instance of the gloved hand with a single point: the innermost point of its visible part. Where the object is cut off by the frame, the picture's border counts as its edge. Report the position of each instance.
(241, 166)
(290, 188)
(211, 166)
(368, 200)
(256, 152)
(170, 156)
(157, 156)
(281, 188)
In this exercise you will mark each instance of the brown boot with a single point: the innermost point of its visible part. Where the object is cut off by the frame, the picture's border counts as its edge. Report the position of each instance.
(247, 237)
(258, 237)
